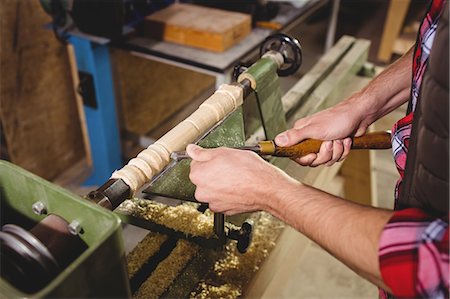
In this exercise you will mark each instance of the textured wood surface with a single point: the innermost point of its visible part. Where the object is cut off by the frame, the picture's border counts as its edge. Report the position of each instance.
(375, 140)
(300, 92)
(324, 95)
(197, 26)
(150, 91)
(38, 109)
(392, 27)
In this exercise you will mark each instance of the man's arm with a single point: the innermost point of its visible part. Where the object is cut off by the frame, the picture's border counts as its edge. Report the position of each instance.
(352, 116)
(349, 231)
(234, 181)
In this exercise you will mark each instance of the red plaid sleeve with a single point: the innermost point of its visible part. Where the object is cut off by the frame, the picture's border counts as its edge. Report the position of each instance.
(414, 255)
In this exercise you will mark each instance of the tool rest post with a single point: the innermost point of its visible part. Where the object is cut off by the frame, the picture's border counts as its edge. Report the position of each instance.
(219, 224)
(111, 194)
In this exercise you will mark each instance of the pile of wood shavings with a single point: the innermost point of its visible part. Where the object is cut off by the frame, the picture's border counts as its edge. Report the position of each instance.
(166, 271)
(143, 251)
(233, 271)
(184, 218)
(227, 291)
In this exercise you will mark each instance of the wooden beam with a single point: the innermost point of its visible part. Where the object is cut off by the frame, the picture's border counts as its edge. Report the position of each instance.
(198, 26)
(325, 95)
(305, 86)
(392, 27)
(38, 111)
(79, 101)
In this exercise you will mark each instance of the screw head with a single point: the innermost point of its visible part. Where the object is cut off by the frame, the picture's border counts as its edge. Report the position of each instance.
(75, 227)
(39, 208)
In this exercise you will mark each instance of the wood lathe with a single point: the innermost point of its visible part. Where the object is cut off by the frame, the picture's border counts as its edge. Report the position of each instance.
(279, 54)
(190, 251)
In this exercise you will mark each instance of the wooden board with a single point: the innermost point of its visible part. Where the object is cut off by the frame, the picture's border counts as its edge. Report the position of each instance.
(300, 92)
(150, 91)
(324, 95)
(392, 27)
(356, 173)
(38, 109)
(202, 27)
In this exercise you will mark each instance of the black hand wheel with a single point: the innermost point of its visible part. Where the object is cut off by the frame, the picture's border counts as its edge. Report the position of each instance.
(243, 236)
(287, 46)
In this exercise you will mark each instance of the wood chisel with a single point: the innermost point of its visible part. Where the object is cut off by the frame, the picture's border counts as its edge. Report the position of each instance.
(375, 140)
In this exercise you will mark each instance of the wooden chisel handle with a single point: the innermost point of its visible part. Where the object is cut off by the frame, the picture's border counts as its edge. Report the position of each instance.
(376, 140)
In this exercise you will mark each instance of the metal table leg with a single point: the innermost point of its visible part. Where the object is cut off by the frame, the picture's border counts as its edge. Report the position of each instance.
(97, 88)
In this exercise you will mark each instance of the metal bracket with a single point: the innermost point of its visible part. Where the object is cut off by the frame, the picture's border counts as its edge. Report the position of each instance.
(86, 89)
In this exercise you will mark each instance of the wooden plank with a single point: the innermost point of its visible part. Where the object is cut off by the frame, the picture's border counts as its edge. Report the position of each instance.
(325, 95)
(289, 243)
(356, 172)
(277, 267)
(79, 101)
(305, 86)
(151, 92)
(402, 45)
(384, 174)
(38, 110)
(197, 26)
(394, 22)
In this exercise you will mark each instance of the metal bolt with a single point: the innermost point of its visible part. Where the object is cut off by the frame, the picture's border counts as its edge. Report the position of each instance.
(75, 227)
(39, 208)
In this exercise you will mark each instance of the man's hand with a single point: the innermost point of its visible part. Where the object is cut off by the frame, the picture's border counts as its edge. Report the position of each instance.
(334, 125)
(235, 181)
(353, 116)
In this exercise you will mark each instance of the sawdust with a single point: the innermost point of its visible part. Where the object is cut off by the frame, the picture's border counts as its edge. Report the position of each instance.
(166, 271)
(184, 218)
(228, 291)
(143, 251)
(230, 274)
(233, 271)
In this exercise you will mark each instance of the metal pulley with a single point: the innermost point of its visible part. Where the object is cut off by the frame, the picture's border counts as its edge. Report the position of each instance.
(31, 259)
(288, 47)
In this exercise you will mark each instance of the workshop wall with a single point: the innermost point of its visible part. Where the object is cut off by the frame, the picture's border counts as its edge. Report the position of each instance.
(38, 111)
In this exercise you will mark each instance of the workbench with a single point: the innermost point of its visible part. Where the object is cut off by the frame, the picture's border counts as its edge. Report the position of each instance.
(220, 65)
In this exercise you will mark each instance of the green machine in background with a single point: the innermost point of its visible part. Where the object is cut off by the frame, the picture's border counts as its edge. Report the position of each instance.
(56, 244)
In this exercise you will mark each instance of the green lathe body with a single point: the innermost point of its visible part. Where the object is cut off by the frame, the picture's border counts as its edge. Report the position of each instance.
(100, 270)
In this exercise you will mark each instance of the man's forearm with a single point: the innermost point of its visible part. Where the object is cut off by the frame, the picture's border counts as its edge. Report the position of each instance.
(390, 89)
(349, 231)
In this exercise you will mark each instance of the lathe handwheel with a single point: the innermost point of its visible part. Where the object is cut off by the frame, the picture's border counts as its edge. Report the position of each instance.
(243, 235)
(289, 47)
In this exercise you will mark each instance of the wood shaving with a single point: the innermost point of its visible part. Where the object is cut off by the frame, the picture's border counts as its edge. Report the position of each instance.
(184, 218)
(166, 271)
(149, 246)
(234, 270)
(226, 291)
(230, 274)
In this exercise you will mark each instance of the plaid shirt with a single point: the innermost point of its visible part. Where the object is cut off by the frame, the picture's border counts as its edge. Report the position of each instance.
(414, 248)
